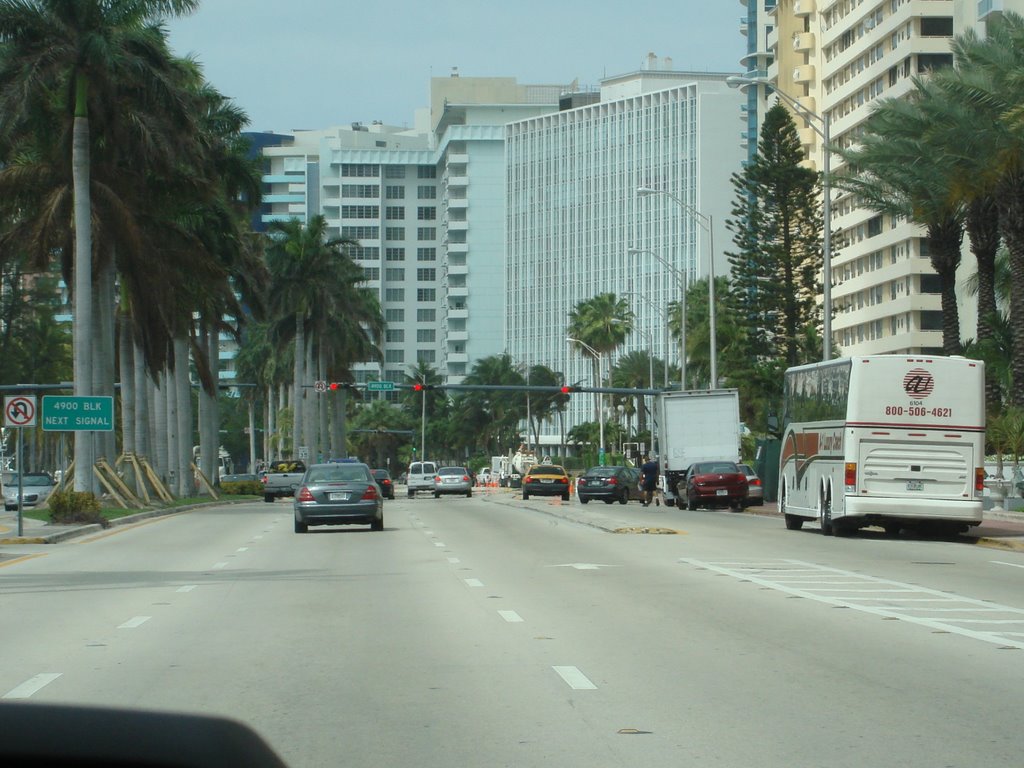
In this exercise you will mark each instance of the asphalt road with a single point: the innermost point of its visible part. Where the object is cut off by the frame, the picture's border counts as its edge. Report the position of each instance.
(491, 631)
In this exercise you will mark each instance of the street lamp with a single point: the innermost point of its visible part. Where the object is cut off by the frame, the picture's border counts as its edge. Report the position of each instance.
(813, 120)
(661, 314)
(599, 397)
(707, 222)
(681, 274)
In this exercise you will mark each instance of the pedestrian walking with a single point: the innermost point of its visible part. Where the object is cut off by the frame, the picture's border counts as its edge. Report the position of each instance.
(649, 472)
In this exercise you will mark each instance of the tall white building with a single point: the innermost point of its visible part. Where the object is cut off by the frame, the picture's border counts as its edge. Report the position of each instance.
(837, 57)
(574, 214)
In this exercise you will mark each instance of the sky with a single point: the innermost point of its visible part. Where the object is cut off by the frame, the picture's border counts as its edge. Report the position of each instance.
(295, 64)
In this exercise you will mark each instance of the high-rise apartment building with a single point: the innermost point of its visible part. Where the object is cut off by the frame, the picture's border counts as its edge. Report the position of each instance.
(836, 58)
(573, 212)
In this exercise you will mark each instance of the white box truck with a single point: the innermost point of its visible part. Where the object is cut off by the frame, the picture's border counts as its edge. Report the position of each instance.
(697, 425)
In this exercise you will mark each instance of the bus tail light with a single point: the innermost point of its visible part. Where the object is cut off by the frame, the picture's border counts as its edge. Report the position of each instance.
(979, 481)
(851, 477)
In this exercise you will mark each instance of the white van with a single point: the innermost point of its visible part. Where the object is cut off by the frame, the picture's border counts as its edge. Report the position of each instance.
(421, 477)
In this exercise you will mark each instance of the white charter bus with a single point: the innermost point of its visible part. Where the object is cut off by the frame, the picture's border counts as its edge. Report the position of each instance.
(890, 440)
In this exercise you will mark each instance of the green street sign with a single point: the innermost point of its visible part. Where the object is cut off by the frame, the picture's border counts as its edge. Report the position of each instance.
(380, 386)
(78, 414)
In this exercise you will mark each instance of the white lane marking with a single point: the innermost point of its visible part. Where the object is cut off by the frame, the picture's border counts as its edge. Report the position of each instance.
(756, 573)
(439, 544)
(1012, 565)
(583, 566)
(30, 686)
(242, 549)
(187, 588)
(473, 582)
(510, 616)
(454, 560)
(219, 565)
(575, 679)
(257, 538)
(137, 621)
(429, 533)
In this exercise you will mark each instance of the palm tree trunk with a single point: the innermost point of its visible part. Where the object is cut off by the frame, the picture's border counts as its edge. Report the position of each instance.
(209, 416)
(127, 355)
(82, 330)
(299, 377)
(159, 431)
(982, 225)
(183, 403)
(143, 400)
(324, 434)
(171, 396)
(104, 306)
(944, 241)
(270, 425)
(309, 408)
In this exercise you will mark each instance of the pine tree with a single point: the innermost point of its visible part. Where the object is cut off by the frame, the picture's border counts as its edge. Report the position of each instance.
(777, 226)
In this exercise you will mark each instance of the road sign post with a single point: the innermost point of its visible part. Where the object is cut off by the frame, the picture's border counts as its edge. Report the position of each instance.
(90, 413)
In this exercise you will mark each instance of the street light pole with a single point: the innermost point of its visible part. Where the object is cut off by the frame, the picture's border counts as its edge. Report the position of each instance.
(812, 119)
(600, 397)
(681, 274)
(706, 221)
(661, 313)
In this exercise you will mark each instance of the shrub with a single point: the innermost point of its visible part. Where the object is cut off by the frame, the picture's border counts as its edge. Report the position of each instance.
(244, 488)
(75, 507)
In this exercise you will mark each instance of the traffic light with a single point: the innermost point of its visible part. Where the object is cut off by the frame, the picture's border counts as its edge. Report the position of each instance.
(419, 387)
(567, 390)
(336, 385)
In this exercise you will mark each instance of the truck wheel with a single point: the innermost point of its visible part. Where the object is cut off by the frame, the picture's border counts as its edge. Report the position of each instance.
(412, 493)
(691, 504)
(268, 497)
(669, 501)
(469, 494)
(624, 498)
(565, 496)
(525, 495)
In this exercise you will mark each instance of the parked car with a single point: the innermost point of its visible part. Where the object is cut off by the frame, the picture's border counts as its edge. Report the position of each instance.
(282, 479)
(609, 484)
(383, 478)
(715, 484)
(546, 480)
(420, 477)
(338, 494)
(450, 480)
(755, 491)
(36, 488)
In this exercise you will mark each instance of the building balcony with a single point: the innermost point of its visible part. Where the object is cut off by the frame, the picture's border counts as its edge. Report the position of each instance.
(457, 357)
(808, 102)
(457, 248)
(458, 226)
(460, 158)
(804, 7)
(459, 336)
(458, 313)
(458, 203)
(461, 180)
(803, 41)
(805, 73)
(458, 292)
(458, 269)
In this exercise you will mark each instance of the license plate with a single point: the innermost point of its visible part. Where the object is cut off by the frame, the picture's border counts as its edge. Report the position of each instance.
(915, 485)
(546, 480)
(337, 497)
(721, 492)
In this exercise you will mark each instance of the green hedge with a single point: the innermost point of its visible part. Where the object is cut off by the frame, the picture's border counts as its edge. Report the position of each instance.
(244, 488)
(75, 507)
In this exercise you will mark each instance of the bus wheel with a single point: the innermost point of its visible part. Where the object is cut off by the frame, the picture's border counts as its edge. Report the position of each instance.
(793, 523)
(826, 516)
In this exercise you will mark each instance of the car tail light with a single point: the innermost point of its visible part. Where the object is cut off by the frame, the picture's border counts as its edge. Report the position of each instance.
(755, 481)
(437, 478)
(979, 481)
(851, 477)
(465, 478)
(385, 482)
(263, 479)
(564, 480)
(306, 495)
(528, 479)
(613, 481)
(370, 493)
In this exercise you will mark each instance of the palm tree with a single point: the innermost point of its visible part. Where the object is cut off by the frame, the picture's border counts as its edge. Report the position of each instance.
(634, 370)
(96, 56)
(898, 170)
(602, 322)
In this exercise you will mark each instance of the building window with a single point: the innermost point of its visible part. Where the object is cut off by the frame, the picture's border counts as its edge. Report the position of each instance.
(426, 294)
(426, 334)
(426, 254)
(426, 172)
(364, 252)
(426, 274)
(371, 273)
(394, 233)
(875, 226)
(426, 193)
(360, 211)
(426, 213)
(394, 355)
(394, 171)
(394, 335)
(394, 212)
(426, 233)
(394, 274)
(426, 315)
(931, 284)
(936, 26)
(360, 233)
(931, 320)
(360, 190)
(394, 294)
(394, 315)
(394, 254)
(354, 169)
(394, 193)
(426, 356)
(926, 62)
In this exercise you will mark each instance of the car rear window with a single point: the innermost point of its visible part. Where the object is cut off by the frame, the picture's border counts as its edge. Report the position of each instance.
(452, 471)
(287, 466)
(338, 474)
(602, 472)
(717, 467)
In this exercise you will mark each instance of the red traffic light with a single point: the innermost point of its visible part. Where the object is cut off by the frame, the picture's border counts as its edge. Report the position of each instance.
(566, 390)
(334, 385)
(417, 387)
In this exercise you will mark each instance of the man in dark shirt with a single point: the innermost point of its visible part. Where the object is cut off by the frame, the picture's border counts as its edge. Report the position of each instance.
(649, 481)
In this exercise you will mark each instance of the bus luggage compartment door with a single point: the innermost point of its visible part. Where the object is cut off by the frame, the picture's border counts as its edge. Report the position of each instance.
(934, 470)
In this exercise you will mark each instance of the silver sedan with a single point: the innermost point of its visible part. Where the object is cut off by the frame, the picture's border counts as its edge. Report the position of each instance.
(453, 480)
(338, 494)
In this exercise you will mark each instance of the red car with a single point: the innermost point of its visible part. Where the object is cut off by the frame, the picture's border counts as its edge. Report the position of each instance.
(715, 484)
